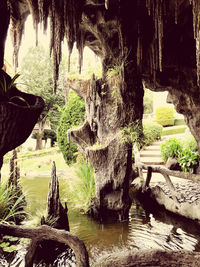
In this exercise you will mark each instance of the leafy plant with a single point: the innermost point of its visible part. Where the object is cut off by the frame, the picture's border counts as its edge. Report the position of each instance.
(171, 148)
(9, 243)
(165, 116)
(152, 131)
(5, 86)
(82, 188)
(12, 204)
(132, 133)
(72, 115)
(188, 160)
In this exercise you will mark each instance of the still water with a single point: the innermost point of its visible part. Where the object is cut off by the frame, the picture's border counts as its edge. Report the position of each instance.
(142, 231)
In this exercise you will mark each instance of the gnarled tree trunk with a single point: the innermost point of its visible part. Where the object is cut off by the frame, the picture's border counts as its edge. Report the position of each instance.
(108, 111)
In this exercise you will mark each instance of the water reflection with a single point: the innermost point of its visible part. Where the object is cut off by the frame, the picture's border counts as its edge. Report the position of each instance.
(143, 230)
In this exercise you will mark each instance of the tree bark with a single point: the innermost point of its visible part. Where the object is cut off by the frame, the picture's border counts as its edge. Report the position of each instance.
(157, 258)
(47, 233)
(108, 110)
(39, 134)
(55, 210)
(4, 21)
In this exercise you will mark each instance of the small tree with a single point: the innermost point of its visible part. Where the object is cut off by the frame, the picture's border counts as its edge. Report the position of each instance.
(72, 115)
(37, 75)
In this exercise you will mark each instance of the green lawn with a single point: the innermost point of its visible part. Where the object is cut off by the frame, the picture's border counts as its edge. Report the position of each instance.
(37, 161)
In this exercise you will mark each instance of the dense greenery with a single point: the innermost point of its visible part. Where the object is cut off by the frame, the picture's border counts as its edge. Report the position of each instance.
(152, 132)
(71, 116)
(142, 135)
(165, 116)
(171, 148)
(188, 160)
(184, 150)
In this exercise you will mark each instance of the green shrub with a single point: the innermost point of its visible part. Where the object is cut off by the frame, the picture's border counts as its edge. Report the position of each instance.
(165, 116)
(82, 188)
(172, 147)
(174, 130)
(182, 149)
(179, 122)
(188, 160)
(72, 115)
(152, 132)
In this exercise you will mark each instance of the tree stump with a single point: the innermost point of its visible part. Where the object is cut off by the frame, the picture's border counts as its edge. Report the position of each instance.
(56, 212)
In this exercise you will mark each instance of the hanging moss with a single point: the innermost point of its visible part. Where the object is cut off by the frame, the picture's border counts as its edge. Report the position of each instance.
(65, 17)
(155, 8)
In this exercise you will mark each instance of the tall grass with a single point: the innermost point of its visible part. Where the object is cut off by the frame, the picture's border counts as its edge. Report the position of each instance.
(82, 188)
(12, 204)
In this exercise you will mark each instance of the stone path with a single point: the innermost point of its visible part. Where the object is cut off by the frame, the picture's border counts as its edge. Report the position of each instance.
(150, 155)
(188, 191)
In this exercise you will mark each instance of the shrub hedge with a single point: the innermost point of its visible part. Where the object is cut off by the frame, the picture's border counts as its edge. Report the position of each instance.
(165, 116)
(174, 130)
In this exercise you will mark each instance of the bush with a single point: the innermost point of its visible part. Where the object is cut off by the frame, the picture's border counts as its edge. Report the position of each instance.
(188, 160)
(179, 122)
(165, 116)
(183, 150)
(152, 132)
(174, 130)
(171, 148)
(72, 115)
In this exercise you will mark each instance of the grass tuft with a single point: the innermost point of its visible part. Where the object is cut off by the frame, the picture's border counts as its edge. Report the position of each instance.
(81, 189)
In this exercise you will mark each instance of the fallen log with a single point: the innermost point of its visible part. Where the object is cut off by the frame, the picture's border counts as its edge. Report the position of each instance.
(45, 232)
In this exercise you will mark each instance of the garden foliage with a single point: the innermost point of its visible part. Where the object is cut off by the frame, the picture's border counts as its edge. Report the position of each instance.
(183, 150)
(12, 204)
(72, 115)
(152, 132)
(81, 189)
(165, 116)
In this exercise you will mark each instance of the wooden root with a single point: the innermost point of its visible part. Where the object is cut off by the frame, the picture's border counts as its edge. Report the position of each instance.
(45, 232)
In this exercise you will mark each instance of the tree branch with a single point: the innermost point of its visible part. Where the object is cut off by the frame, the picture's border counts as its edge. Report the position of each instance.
(45, 232)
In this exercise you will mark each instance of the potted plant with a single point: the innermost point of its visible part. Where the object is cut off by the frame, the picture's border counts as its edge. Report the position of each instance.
(19, 113)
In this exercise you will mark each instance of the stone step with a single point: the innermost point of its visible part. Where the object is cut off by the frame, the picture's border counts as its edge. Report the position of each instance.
(152, 161)
(158, 143)
(150, 153)
(151, 149)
